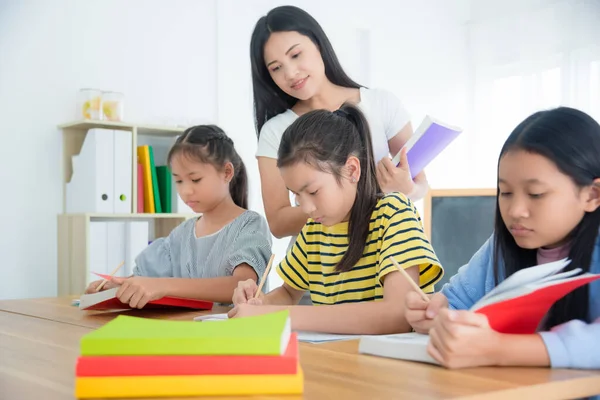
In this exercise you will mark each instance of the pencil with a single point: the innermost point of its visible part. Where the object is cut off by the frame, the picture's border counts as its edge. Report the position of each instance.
(264, 277)
(101, 285)
(410, 280)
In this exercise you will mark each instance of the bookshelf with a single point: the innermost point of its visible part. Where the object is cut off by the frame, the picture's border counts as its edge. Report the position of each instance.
(74, 228)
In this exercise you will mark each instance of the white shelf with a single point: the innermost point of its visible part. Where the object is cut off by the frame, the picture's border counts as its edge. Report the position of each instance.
(142, 129)
(74, 228)
(132, 216)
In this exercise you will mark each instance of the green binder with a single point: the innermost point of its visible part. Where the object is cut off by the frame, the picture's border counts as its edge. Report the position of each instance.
(158, 208)
(165, 187)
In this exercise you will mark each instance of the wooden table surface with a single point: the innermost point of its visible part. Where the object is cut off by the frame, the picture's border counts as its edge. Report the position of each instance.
(39, 344)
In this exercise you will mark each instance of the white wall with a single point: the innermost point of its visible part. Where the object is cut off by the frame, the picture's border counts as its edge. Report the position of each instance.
(188, 60)
(159, 53)
(526, 56)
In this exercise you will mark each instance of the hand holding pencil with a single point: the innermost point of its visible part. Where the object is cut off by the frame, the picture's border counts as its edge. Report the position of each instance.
(248, 291)
(97, 286)
(420, 309)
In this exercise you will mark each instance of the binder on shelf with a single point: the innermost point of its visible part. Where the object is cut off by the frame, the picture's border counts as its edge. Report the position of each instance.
(165, 187)
(140, 188)
(136, 236)
(91, 187)
(102, 174)
(144, 159)
(156, 195)
(98, 249)
(123, 169)
(111, 242)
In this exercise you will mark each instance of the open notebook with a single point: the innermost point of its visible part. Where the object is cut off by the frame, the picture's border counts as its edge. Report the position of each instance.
(303, 336)
(516, 306)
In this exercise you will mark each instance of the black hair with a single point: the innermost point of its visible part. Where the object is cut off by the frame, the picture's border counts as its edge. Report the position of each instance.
(209, 144)
(269, 99)
(571, 140)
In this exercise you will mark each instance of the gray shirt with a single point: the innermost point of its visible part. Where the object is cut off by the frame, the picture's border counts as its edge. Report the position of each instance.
(246, 239)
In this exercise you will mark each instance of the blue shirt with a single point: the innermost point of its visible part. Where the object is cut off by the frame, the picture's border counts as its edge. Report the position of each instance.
(570, 345)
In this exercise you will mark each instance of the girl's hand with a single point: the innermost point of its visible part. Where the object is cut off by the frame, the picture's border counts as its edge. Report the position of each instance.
(244, 293)
(243, 310)
(419, 313)
(137, 291)
(460, 339)
(92, 286)
(395, 179)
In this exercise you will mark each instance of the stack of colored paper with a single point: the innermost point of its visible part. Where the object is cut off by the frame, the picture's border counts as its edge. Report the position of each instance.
(140, 357)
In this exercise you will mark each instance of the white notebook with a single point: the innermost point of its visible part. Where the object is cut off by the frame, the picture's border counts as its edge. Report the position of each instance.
(211, 317)
(403, 346)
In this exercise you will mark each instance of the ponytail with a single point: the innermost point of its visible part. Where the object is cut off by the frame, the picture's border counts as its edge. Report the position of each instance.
(367, 192)
(238, 188)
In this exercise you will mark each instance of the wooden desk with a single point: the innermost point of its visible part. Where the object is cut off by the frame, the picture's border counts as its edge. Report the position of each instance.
(39, 343)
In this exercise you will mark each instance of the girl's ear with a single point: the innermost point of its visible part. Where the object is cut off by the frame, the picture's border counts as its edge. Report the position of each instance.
(229, 171)
(592, 200)
(353, 169)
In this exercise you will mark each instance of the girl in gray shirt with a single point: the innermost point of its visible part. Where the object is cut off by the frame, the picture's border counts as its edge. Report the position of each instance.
(204, 257)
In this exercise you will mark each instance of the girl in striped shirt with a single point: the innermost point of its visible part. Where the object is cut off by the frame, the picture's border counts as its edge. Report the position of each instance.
(204, 257)
(343, 254)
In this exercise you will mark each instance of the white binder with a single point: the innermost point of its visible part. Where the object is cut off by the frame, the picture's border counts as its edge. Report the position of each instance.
(123, 170)
(115, 246)
(102, 179)
(91, 188)
(137, 234)
(112, 242)
(98, 252)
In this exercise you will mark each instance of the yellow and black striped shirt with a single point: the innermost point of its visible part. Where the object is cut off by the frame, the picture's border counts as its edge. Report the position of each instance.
(395, 230)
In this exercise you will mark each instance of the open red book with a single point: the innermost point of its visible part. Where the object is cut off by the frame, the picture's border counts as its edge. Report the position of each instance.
(519, 303)
(107, 300)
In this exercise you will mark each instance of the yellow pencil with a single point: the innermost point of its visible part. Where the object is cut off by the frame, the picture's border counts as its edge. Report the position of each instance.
(101, 285)
(410, 280)
(264, 277)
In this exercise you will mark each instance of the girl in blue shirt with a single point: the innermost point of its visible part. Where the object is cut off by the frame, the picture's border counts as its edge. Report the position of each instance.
(546, 210)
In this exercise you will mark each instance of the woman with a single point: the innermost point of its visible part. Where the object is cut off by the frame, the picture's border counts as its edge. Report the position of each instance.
(294, 71)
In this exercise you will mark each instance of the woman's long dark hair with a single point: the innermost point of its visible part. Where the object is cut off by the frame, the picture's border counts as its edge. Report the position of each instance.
(571, 140)
(325, 140)
(210, 145)
(269, 99)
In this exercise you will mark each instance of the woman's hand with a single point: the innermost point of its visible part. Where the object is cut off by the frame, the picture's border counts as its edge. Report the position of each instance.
(395, 179)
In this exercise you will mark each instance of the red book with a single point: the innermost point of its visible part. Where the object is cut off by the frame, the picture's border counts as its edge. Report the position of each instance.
(107, 300)
(140, 189)
(520, 302)
(286, 364)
